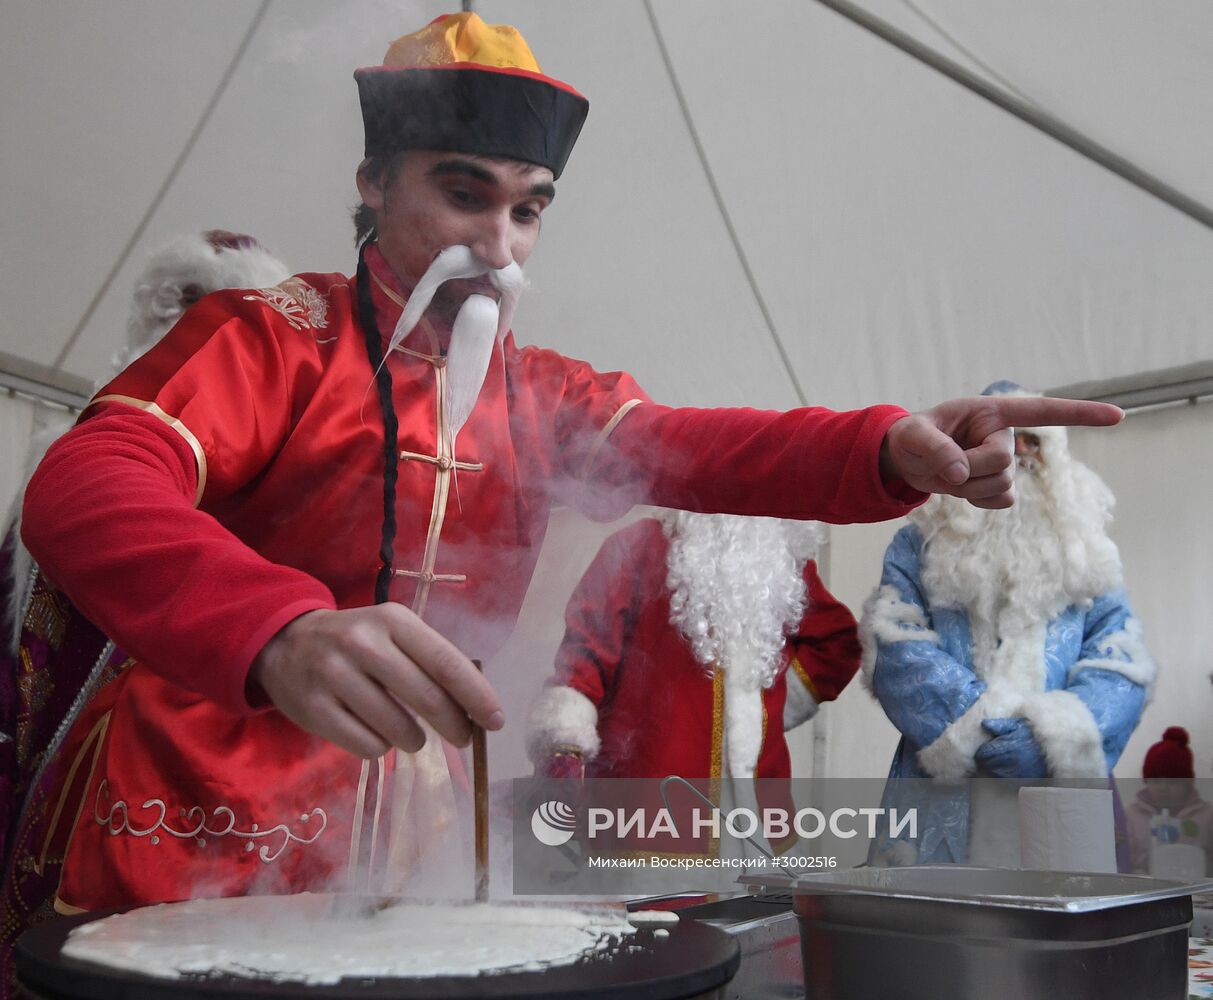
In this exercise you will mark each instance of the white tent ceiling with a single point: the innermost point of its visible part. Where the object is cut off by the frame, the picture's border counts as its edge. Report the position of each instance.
(906, 239)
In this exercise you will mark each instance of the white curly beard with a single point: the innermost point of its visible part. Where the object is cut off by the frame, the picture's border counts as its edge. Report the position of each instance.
(1014, 570)
(737, 588)
(189, 262)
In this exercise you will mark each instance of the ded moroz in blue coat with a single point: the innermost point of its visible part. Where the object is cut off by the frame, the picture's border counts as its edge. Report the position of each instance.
(1001, 644)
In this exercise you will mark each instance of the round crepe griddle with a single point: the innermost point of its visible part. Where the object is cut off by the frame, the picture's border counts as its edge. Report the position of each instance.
(694, 959)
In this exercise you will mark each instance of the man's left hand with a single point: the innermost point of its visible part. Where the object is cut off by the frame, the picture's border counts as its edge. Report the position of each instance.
(964, 447)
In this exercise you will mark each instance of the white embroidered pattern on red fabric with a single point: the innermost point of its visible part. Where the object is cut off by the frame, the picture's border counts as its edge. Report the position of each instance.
(195, 826)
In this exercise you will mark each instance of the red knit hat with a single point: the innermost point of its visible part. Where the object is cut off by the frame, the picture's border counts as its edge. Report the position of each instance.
(1170, 756)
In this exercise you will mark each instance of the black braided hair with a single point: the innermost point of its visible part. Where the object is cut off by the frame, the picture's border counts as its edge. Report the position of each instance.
(383, 382)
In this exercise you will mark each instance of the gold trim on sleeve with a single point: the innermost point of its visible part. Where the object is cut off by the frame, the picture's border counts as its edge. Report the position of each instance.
(805, 679)
(175, 423)
(605, 433)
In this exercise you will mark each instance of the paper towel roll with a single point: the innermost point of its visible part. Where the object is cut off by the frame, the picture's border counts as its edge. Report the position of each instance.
(1184, 862)
(1067, 829)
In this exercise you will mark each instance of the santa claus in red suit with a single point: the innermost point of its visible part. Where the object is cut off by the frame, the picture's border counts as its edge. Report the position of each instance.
(693, 643)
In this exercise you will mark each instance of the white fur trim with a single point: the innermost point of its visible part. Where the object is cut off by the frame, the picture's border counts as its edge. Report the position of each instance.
(1066, 732)
(888, 619)
(950, 757)
(895, 854)
(742, 724)
(1017, 659)
(800, 705)
(562, 717)
(1125, 653)
(190, 260)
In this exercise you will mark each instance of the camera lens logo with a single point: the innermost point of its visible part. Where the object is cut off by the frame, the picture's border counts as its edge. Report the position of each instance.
(553, 823)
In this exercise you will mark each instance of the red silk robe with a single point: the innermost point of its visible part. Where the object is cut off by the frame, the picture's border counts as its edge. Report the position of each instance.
(659, 710)
(232, 479)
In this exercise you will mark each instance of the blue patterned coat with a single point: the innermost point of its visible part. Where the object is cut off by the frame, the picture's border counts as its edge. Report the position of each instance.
(918, 663)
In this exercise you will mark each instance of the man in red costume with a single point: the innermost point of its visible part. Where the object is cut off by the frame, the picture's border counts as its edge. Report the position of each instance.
(309, 506)
(692, 643)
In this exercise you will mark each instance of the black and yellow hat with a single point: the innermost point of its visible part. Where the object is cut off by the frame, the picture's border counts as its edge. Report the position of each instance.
(462, 85)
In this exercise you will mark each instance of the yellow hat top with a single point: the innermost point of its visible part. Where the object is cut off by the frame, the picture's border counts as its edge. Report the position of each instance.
(462, 38)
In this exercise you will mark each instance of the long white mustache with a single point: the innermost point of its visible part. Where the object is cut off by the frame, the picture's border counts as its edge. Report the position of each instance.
(459, 262)
(479, 325)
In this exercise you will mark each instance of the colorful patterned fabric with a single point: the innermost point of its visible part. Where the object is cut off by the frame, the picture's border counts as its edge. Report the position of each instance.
(39, 705)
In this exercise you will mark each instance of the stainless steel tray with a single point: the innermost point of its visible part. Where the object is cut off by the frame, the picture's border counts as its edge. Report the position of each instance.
(934, 931)
(1068, 892)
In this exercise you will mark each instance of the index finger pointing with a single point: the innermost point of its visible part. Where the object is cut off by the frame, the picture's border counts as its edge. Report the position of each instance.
(1050, 411)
